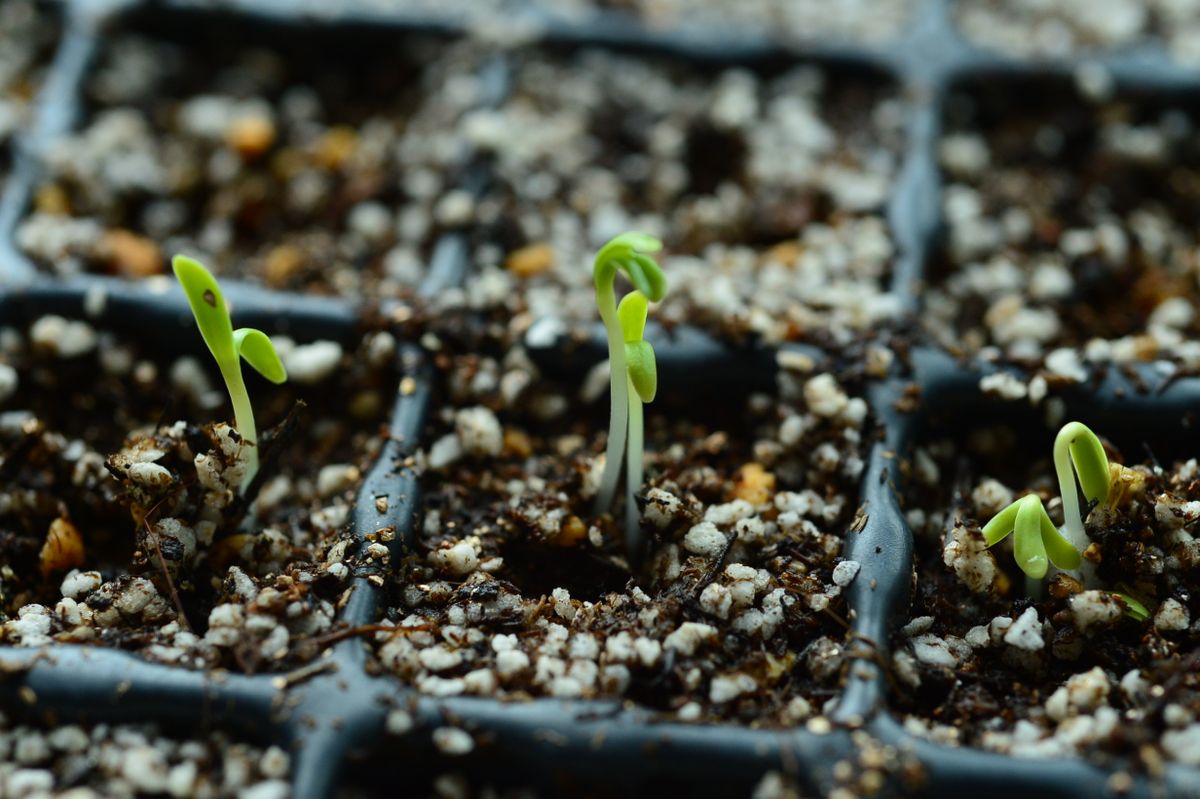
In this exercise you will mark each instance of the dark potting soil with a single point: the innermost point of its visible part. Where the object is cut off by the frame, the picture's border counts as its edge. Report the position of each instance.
(735, 613)
(1065, 671)
(114, 516)
(1070, 225)
(329, 176)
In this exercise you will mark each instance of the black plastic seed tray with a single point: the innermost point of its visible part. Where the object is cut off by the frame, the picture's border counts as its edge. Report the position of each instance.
(332, 712)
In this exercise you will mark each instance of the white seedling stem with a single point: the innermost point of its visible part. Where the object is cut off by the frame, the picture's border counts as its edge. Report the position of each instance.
(243, 416)
(633, 475)
(619, 398)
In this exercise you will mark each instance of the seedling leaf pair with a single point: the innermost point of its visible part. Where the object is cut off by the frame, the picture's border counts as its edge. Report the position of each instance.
(639, 355)
(228, 347)
(1077, 446)
(1036, 542)
(629, 252)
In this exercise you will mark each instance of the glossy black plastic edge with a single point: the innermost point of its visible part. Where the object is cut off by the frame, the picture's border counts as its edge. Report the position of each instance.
(928, 57)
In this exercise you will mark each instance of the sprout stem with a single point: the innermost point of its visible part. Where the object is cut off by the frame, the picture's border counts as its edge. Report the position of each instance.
(1075, 442)
(633, 475)
(618, 395)
(1072, 523)
(243, 415)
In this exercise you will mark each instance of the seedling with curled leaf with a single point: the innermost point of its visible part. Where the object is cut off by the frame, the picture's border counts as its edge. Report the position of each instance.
(1134, 609)
(228, 347)
(642, 374)
(1078, 455)
(1037, 542)
(626, 253)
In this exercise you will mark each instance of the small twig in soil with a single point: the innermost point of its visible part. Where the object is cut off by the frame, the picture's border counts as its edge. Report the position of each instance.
(183, 620)
(364, 629)
(712, 573)
(833, 614)
(303, 674)
(870, 653)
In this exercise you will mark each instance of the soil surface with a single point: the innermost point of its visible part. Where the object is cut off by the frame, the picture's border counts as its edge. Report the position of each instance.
(121, 526)
(736, 611)
(125, 761)
(331, 176)
(1077, 27)
(767, 189)
(1065, 670)
(1070, 225)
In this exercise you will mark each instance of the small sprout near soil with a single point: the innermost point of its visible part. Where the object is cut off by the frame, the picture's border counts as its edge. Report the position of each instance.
(226, 345)
(1037, 542)
(1133, 608)
(632, 369)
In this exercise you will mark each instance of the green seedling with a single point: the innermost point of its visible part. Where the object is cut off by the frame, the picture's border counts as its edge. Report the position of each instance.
(642, 374)
(1076, 445)
(1036, 541)
(1133, 608)
(1078, 453)
(228, 347)
(627, 253)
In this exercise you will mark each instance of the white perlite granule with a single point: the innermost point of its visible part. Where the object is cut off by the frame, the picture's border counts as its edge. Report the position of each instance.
(1026, 632)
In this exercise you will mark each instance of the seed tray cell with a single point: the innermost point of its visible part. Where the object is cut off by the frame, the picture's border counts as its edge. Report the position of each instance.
(770, 605)
(1068, 29)
(1068, 225)
(298, 509)
(299, 178)
(794, 24)
(959, 474)
(775, 175)
(338, 709)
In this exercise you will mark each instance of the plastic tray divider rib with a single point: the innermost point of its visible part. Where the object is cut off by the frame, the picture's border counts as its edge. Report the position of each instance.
(332, 708)
(883, 547)
(569, 746)
(393, 482)
(56, 110)
(85, 683)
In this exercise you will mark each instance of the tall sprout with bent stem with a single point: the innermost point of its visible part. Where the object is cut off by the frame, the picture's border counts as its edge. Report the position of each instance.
(626, 253)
